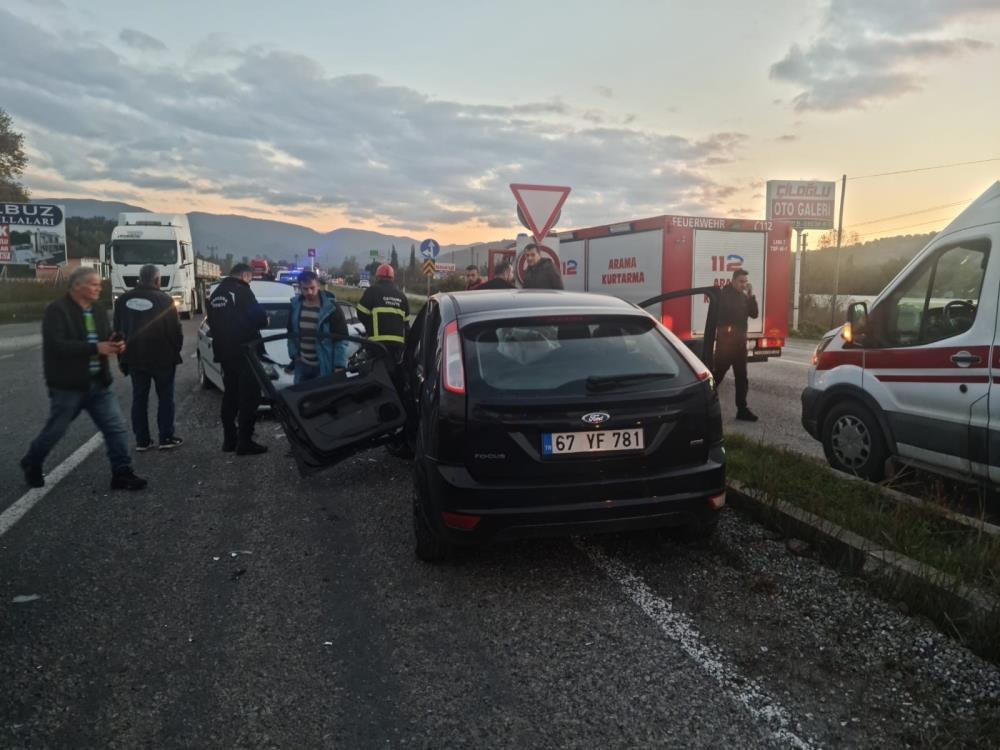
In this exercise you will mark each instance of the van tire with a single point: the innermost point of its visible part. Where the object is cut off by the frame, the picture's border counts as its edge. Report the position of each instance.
(853, 441)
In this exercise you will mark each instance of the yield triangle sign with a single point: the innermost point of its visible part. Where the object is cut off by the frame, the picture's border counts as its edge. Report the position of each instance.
(540, 205)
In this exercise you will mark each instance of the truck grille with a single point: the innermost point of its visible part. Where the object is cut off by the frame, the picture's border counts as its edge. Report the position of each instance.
(133, 281)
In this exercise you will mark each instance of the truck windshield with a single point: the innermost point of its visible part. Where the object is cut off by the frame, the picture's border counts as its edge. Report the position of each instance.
(139, 252)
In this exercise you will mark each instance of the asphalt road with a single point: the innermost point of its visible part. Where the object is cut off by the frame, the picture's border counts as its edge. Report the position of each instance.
(775, 389)
(234, 604)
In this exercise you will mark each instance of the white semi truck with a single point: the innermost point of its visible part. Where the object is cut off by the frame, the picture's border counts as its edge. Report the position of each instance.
(163, 240)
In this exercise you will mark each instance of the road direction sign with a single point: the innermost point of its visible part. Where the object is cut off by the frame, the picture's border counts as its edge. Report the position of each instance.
(540, 206)
(430, 248)
(446, 267)
(428, 267)
(311, 252)
(373, 253)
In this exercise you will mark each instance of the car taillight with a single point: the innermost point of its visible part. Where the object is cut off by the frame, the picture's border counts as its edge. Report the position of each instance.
(454, 369)
(770, 343)
(717, 501)
(706, 374)
(460, 521)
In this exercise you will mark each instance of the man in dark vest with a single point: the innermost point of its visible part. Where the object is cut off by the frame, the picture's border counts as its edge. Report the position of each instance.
(148, 320)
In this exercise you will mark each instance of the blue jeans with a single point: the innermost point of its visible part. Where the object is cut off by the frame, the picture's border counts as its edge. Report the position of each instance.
(102, 406)
(141, 382)
(305, 372)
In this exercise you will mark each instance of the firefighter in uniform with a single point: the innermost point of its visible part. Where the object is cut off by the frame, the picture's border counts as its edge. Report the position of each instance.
(384, 310)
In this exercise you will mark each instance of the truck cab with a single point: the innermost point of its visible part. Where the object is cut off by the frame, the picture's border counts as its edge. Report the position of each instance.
(917, 376)
(163, 240)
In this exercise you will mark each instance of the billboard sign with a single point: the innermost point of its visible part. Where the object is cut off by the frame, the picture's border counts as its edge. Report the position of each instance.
(32, 234)
(804, 204)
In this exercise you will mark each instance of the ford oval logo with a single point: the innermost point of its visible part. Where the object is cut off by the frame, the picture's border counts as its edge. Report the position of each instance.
(595, 417)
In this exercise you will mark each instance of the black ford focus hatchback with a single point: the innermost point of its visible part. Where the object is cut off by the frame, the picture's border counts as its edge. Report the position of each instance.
(527, 413)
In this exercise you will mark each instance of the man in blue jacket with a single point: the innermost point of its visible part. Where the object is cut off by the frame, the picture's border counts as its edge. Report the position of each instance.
(314, 316)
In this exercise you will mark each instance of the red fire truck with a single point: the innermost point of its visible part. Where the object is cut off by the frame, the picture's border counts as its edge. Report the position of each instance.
(640, 259)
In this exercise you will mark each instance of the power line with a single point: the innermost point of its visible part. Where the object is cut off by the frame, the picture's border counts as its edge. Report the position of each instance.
(925, 169)
(911, 213)
(907, 226)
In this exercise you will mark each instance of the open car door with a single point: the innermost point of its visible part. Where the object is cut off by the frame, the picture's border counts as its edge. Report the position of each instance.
(705, 347)
(334, 417)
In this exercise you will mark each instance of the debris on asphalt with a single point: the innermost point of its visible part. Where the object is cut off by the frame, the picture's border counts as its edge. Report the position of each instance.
(799, 547)
(237, 573)
(216, 558)
(25, 598)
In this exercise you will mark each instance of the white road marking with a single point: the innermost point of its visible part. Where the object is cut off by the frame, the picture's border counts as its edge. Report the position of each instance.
(790, 362)
(741, 689)
(15, 512)
(6, 356)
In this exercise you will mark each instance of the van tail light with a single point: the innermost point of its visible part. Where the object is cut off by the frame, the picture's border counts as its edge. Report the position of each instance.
(454, 368)
(770, 343)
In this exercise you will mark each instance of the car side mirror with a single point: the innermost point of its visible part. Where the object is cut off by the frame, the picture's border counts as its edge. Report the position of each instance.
(857, 323)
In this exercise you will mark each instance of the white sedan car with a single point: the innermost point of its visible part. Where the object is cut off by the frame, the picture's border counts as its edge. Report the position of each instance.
(276, 298)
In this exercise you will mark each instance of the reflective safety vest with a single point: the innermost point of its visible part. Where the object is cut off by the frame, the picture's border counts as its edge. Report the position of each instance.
(384, 309)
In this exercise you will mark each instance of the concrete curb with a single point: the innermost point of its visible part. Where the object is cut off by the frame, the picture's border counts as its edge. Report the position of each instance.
(939, 595)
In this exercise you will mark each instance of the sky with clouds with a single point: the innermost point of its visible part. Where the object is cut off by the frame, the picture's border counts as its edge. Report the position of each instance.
(415, 117)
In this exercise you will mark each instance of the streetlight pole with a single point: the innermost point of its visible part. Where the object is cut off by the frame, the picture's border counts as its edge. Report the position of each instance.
(836, 272)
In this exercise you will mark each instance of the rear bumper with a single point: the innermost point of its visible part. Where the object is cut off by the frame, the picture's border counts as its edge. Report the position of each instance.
(811, 398)
(514, 510)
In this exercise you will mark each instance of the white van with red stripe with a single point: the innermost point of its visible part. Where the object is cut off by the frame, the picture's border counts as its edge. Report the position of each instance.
(917, 377)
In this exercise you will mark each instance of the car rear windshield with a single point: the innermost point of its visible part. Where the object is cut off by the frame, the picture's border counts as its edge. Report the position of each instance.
(571, 356)
(277, 314)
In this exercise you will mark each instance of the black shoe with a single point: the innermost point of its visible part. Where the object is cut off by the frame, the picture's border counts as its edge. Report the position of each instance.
(32, 474)
(172, 442)
(228, 444)
(745, 415)
(127, 480)
(143, 447)
(250, 449)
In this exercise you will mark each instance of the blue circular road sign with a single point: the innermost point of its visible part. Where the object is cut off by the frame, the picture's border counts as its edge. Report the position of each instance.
(430, 249)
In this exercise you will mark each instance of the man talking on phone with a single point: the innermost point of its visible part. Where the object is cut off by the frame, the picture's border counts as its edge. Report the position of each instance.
(737, 303)
(76, 344)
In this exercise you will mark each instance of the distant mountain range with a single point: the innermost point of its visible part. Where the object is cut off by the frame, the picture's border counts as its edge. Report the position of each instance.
(219, 234)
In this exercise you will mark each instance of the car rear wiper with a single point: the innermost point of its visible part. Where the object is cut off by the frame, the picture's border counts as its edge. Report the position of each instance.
(605, 382)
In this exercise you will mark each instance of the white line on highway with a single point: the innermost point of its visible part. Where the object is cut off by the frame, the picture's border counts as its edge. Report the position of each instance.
(15, 512)
(743, 690)
(790, 362)
(6, 356)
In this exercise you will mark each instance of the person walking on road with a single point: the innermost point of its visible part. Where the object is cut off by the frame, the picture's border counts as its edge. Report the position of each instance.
(472, 278)
(503, 277)
(383, 310)
(736, 303)
(148, 320)
(235, 319)
(315, 315)
(540, 272)
(76, 343)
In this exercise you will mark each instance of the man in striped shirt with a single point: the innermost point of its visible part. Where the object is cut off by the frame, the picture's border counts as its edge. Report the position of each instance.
(314, 316)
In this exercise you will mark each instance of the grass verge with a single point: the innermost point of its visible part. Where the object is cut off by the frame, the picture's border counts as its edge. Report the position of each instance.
(969, 556)
(353, 295)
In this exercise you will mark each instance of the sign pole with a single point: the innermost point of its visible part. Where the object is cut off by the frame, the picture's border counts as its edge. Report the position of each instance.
(836, 272)
(798, 274)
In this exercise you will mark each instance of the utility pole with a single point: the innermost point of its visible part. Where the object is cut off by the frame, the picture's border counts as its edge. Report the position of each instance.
(799, 256)
(836, 272)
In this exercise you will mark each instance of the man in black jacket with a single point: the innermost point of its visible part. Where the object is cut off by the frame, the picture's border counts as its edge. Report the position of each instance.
(540, 273)
(736, 304)
(148, 320)
(76, 344)
(503, 277)
(235, 319)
